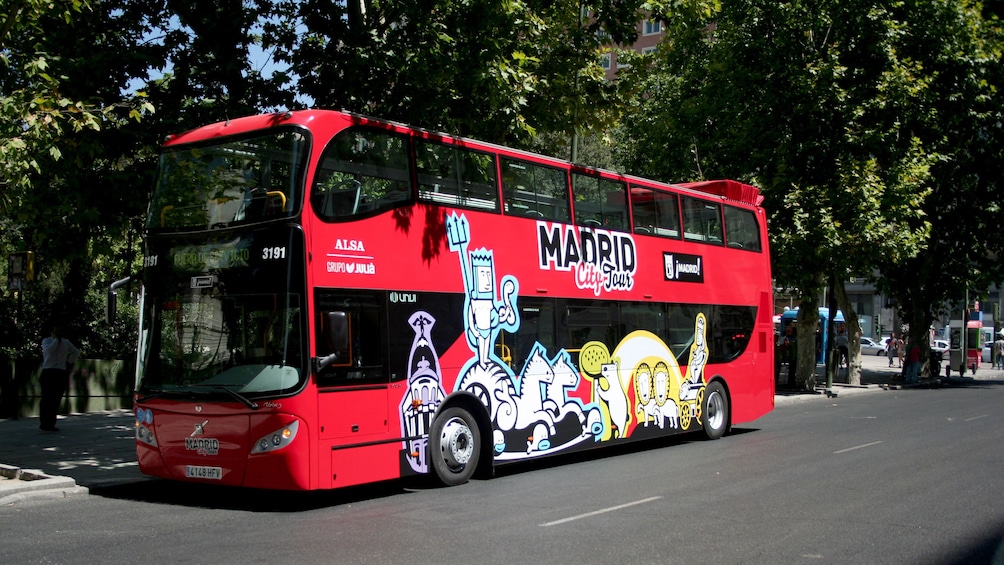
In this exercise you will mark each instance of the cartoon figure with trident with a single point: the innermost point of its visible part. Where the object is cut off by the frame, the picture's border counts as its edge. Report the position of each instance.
(486, 316)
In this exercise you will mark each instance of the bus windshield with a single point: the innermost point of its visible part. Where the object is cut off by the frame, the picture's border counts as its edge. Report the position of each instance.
(224, 316)
(240, 181)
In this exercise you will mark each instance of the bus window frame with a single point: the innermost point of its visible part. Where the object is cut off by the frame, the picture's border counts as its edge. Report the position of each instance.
(706, 221)
(509, 195)
(291, 204)
(657, 228)
(353, 186)
(455, 199)
(748, 221)
(352, 372)
(602, 205)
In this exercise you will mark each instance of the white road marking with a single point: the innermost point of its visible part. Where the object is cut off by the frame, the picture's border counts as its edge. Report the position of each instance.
(857, 447)
(597, 512)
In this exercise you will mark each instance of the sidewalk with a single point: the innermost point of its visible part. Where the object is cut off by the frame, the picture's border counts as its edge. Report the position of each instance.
(877, 375)
(98, 449)
(90, 450)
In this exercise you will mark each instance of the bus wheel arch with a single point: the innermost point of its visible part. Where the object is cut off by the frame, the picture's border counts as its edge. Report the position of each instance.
(460, 440)
(716, 409)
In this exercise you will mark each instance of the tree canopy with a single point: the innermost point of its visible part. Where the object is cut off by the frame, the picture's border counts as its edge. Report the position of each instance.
(850, 116)
(872, 126)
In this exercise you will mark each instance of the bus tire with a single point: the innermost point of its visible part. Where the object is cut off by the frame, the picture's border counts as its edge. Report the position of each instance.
(454, 446)
(716, 410)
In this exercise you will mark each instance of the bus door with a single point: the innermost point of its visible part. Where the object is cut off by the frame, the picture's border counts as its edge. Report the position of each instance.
(353, 383)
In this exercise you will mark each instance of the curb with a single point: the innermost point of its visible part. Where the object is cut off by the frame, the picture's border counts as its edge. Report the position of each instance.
(19, 484)
(838, 390)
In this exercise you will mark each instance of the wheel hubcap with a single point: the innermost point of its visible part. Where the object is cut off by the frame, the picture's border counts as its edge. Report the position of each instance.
(716, 411)
(457, 443)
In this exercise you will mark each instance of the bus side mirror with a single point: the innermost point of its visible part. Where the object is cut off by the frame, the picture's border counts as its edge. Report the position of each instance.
(335, 330)
(111, 305)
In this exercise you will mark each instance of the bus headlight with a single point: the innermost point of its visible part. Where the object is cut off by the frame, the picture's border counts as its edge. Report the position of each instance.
(144, 418)
(277, 439)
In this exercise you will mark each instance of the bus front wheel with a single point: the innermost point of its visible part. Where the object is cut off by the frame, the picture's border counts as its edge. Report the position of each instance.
(716, 410)
(454, 446)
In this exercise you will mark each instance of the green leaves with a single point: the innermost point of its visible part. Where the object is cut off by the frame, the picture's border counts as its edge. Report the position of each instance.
(873, 128)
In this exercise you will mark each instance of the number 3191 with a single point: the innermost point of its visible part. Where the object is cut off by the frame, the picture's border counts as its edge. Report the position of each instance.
(273, 253)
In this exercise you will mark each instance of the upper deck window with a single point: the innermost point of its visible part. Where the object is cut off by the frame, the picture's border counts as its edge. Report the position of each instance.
(535, 191)
(239, 181)
(741, 229)
(702, 221)
(362, 171)
(599, 202)
(456, 176)
(655, 212)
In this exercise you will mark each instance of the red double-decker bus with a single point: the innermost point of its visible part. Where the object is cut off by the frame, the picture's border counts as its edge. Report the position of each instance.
(331, 299)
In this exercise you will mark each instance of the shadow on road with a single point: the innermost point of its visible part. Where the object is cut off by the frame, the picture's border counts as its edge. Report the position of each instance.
(638, 446)
(987, 547)
(195, 495)
(157, 491)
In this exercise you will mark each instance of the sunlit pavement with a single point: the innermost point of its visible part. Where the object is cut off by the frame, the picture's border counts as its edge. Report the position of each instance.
(89, 450)
(877, 375)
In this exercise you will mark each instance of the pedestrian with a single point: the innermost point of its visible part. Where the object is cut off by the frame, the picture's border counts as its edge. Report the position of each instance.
(890, 348)
(58, 357)
(999, 352)
(912, 374)
(790, 354)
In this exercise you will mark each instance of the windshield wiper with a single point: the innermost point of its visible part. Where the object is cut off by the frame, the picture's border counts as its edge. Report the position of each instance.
(247, 401)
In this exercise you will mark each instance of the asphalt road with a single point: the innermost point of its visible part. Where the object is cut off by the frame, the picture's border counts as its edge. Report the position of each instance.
(899, 476)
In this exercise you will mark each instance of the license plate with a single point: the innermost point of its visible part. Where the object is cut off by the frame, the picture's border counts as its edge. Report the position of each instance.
(199, 472)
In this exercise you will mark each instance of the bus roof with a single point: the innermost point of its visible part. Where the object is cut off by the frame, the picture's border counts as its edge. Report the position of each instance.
(726, 189)
(731, 189)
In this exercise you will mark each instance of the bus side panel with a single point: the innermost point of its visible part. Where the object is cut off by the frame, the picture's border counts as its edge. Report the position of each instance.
(590, 386)
(752, 390)
(152, 463)
(365, 464)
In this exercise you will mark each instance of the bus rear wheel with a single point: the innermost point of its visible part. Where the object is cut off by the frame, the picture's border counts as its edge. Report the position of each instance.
(716, 410)
(454, 446)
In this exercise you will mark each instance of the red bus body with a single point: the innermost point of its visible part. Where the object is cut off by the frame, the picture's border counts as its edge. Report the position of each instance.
(553, 336)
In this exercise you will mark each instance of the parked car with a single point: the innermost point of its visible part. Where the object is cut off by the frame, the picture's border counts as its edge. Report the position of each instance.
(871, 347)
(940, 345)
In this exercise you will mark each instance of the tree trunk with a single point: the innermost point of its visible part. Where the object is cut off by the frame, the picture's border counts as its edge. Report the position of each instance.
(806, 325)
(853, 335)
(920, 333)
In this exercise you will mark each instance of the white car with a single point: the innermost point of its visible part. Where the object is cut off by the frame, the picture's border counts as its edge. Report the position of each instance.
(940, 346)
(871, 347)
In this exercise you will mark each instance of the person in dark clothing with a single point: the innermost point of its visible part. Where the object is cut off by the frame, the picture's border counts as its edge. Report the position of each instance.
(58, 356)
(912, 373)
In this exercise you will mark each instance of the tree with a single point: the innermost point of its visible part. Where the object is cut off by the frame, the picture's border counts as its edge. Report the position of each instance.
(61, 95)
(34, 113)
(497, 71)
(828, 107)
(959, 45)
(460, 67)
